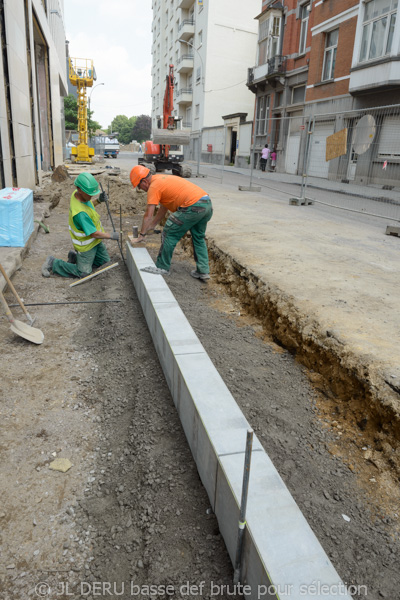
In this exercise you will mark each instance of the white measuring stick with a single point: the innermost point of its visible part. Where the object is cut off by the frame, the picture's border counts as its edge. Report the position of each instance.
(84, 279)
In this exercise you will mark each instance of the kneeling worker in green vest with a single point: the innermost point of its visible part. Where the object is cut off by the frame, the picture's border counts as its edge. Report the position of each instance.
(86, 232)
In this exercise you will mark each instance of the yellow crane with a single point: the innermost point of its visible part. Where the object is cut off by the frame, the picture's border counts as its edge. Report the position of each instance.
(81, 74)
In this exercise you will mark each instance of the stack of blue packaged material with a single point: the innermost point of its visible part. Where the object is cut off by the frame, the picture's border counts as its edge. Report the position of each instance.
(16, 216)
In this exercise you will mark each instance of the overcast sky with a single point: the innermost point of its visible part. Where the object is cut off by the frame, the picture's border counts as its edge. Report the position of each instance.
(116, 34)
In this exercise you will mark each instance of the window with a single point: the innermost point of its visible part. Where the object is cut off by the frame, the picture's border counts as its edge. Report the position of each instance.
(198, 74)
(378, 27)
(197, 111)
(304, 15)
(278, 99)
(261, 118)
(298, 94)
(268, 39)
(331, 43)
(200, 37)
(188, 117)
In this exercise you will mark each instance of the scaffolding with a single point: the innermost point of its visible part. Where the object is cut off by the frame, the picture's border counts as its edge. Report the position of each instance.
(81, 74)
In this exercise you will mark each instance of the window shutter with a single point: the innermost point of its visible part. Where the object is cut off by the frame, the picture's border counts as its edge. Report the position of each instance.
(389, 140)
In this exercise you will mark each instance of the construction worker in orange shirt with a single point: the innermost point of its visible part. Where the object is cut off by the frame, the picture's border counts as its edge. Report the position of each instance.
(191, 210)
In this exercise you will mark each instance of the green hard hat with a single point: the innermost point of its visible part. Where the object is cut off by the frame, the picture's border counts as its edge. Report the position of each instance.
(87, 183)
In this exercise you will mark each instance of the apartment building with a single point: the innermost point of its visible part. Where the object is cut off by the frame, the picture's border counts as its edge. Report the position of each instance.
(328, 61)
(33, 81)
(210, 45)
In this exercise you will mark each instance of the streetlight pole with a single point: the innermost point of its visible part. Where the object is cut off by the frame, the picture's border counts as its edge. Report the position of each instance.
(198, 174)
(90, 95)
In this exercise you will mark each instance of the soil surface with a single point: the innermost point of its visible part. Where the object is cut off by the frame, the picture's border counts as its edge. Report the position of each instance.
(131, 511)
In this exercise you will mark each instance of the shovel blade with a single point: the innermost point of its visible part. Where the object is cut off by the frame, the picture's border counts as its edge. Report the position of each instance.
(32, 334)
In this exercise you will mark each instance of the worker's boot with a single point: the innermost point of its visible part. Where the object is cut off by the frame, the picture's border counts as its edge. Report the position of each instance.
(72, 257)
(47, 266)
(202, 276)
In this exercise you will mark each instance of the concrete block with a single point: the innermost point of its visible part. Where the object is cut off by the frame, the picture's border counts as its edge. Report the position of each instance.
(280, 548)
(142, 257)
(276, 527)
(213, 423)
(175, 328)
(391, 230)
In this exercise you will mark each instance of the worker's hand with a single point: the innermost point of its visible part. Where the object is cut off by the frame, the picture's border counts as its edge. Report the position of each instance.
(103, 197)
(139, 239)
(114, 235)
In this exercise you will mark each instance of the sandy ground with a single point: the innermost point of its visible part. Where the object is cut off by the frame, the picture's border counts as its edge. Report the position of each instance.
(131, 509)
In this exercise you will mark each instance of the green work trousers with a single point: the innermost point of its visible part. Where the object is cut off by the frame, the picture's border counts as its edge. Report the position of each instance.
(194, 219)
(85, 262)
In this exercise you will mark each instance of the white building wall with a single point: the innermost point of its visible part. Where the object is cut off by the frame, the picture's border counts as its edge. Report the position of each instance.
(20, 95)
(229, 40)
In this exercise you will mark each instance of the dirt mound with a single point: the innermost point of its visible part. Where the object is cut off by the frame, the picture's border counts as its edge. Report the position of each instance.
(118, 188)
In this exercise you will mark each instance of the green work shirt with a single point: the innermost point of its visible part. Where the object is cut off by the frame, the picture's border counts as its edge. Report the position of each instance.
(83, 222)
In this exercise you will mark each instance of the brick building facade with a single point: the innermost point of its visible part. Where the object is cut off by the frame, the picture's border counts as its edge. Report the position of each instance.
(322, 61)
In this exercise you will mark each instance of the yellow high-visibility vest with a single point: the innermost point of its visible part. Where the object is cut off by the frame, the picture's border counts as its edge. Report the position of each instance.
(81, 241)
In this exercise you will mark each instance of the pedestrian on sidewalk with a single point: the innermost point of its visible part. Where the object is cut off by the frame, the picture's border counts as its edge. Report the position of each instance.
(264, 157)
(273, 160)
(192, 209)
(86, 233)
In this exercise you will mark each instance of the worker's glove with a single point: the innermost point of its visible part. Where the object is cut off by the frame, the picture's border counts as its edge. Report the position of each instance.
(114, 235)
(103, 197)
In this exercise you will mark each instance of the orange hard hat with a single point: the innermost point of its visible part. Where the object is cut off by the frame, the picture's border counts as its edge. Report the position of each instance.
(137, 174)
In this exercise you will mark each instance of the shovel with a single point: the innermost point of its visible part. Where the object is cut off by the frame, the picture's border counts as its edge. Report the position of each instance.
(22, 329)
(14, 291)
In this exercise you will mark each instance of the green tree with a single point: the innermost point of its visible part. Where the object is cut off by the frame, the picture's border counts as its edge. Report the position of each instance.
(142, 128)
(71, 116)
(71, 112)
(122, 125)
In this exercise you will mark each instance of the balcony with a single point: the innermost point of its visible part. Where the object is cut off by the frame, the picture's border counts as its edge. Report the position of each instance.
(184, 96)
(185, 63)
(274, 68)
(186, 29)
(383, 73)
(185, 3)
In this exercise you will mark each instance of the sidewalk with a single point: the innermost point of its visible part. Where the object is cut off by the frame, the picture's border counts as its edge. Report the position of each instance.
(371, 191)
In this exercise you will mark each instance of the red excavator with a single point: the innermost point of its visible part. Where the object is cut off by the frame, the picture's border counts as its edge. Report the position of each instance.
(164, 152)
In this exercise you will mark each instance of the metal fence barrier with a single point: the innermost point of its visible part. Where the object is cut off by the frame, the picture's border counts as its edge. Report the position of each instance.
(357, 151)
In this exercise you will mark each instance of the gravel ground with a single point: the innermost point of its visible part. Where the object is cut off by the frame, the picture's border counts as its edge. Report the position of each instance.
(290, 417)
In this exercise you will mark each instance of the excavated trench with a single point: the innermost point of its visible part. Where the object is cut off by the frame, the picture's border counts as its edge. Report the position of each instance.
(358, 393)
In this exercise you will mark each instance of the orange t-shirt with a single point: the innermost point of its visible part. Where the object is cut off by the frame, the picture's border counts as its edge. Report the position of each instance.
(173, 192)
